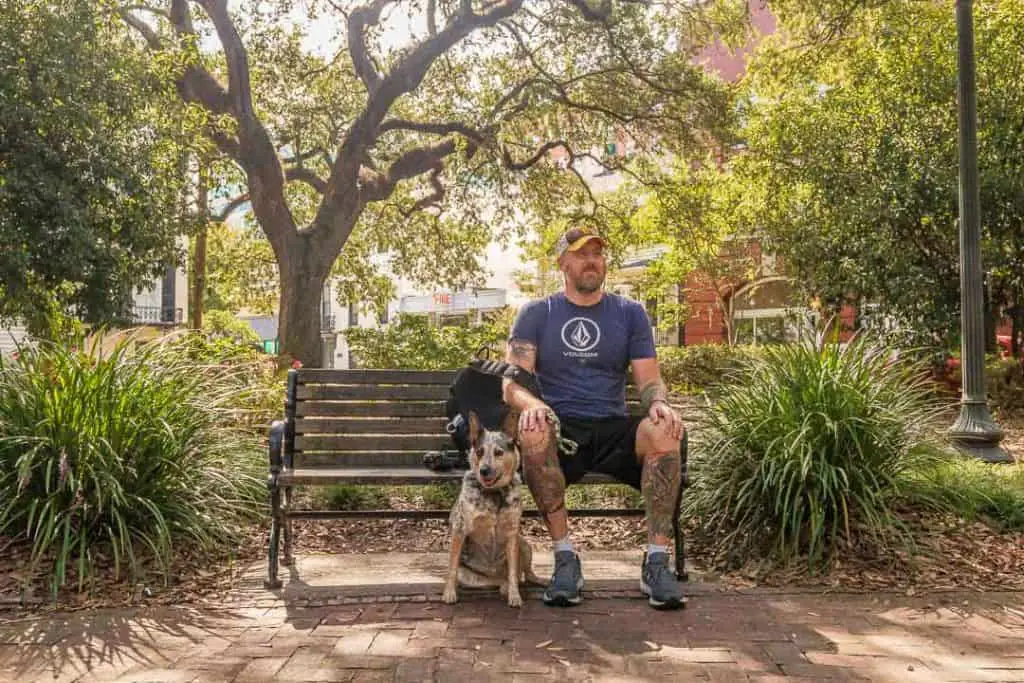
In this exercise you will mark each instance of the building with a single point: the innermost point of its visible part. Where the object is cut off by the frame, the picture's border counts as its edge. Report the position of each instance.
(156, 308)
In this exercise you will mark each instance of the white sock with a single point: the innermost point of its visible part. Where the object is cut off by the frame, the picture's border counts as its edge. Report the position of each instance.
(652, 549)
(563, 544)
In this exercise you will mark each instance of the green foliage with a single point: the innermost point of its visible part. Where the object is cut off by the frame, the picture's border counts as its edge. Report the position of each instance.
(89, 188)
(121, 455)
(221, 324)
(974, 489)
(241, 272)
(853, 145)
(354, 497)
(692, 369)
(808, 448)
(441, 496)
(412, 342)
(1004, 381)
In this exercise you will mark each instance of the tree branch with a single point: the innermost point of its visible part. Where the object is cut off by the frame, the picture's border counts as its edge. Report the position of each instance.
(232, 206)
(601, 13)
(434, 198)
(514, 165)
(147, 33)
(432, 17)
(239, 86)
(358, 20)
(306, 176)
(448, 128)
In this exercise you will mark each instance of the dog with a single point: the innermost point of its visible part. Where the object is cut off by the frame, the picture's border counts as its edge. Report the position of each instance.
(487, 548)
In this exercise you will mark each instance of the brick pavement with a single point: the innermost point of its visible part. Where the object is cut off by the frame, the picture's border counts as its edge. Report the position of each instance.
(722, 636)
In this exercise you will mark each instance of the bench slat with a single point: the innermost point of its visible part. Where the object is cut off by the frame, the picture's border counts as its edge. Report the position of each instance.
(383, 442)
(347, 425)
(343, 459)
(391, 475)
(336, 392)
(370, 409)
(324, 376)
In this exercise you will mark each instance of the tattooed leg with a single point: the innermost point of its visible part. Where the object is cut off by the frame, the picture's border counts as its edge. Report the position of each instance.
(545, 479)
(660, 486)
(659, 482)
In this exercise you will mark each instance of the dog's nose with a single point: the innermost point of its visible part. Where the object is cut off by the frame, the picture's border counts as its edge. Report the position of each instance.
(486, 472)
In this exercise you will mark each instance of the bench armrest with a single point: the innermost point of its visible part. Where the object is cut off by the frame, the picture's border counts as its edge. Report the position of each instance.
(277, 429)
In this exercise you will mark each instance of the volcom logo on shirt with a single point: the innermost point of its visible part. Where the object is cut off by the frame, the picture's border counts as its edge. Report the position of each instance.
(580, 335)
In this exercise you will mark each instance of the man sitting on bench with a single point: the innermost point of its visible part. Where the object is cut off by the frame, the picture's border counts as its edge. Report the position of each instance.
(580, 342)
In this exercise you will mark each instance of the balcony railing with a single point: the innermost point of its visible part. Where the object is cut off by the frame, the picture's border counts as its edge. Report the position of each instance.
(157, 315)
(327, 323)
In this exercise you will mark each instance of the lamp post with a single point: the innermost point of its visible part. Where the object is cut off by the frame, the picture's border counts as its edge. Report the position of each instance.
(975, 432)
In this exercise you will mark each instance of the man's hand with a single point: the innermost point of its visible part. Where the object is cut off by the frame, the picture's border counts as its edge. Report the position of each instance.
(660, 410)
(534, 418)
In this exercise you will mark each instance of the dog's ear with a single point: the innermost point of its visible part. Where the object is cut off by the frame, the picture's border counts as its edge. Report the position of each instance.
(474, 429)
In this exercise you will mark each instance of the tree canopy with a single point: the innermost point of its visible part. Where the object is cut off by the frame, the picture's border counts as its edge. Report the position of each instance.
(90, 193)
(853, 147)
(412, 128)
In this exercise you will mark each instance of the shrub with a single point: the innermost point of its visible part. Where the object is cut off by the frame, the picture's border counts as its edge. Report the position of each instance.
(690, 369)
(412, 342)
(121, 455)
(810, 446)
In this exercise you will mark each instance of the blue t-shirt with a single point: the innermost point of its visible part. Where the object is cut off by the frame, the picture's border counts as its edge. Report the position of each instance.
(583, 352)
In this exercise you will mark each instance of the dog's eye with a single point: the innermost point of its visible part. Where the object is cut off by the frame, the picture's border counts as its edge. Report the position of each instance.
(498, 452)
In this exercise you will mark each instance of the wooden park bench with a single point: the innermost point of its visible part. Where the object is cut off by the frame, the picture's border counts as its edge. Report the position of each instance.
(373, 427)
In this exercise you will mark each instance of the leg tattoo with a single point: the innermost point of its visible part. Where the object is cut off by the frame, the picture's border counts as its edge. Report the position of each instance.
(660, 487)
(546, 481)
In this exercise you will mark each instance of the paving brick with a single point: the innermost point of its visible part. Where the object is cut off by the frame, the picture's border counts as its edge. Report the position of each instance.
(392, 644)
(357, 643)
(415, 671)
(258, 670)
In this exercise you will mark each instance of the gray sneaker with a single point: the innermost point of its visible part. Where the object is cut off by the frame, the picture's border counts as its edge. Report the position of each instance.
(658, 583)
(566, 582)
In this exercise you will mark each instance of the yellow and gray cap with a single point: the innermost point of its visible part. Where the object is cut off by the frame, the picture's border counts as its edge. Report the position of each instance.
(574, 239)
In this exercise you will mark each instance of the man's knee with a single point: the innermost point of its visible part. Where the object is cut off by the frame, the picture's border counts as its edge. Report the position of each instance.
(535, 445)
(654, 438)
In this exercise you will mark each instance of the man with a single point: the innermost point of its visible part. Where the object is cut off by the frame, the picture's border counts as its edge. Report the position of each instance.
(580, 342)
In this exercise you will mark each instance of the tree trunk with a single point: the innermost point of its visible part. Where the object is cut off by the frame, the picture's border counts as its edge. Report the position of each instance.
(302, 281)
(199, 251)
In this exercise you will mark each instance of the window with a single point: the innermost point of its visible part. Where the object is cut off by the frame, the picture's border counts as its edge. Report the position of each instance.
(353, 315)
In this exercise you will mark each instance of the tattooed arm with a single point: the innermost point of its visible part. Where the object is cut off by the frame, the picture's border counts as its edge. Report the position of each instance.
(531, 409)
(654, 395)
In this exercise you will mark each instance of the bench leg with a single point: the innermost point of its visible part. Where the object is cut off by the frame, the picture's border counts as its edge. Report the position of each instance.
(681, 573)
(287, 560)
(272, 582)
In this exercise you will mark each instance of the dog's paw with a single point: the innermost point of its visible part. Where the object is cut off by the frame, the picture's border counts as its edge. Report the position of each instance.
(514, 599)
(450, 595)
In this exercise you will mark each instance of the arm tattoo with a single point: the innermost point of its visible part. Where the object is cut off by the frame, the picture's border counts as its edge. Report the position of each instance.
(660, 487)
(522, 353)
(653, 391)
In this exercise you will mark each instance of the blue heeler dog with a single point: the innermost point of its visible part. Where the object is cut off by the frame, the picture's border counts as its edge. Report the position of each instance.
(487, 548)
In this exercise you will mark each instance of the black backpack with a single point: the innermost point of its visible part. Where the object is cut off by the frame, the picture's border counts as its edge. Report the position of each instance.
(477, 388)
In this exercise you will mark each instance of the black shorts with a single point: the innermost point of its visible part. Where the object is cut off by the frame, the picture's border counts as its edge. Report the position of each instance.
(606, 445)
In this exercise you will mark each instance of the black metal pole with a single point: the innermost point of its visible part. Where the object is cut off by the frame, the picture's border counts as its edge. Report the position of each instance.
(975, 432)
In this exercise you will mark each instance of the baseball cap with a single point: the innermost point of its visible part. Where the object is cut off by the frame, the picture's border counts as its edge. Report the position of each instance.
(574, 239)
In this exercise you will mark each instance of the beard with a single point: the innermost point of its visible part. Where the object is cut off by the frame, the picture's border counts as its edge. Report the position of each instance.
(589, 281)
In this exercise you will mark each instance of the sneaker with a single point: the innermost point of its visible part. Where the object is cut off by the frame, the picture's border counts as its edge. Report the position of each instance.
(658, 583)
(566, 582)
